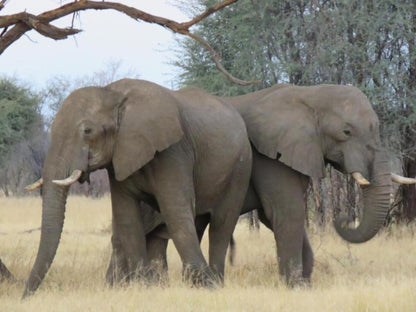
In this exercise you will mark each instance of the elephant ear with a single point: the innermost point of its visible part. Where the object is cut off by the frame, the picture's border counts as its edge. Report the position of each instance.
(286, 128)
(148, 123)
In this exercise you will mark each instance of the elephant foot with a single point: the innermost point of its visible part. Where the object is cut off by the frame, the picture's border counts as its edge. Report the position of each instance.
(157, 274)
(151, 275)
(298, 281)
(295, 278)
(199, 276)
(306, 282)
(115, 275)
(118, 276)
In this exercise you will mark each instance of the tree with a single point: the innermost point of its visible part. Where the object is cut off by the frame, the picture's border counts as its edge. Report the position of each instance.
(21, 135)
(370, 44)
(24, 21)
(19, 112)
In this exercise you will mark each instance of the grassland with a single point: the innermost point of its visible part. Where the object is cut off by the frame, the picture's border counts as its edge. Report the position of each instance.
(378, 276)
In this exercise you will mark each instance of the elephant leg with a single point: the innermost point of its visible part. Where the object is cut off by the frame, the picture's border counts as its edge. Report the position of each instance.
(201, 223)
(117, 270)
(219, 239)
(282, 193)
(307, 258)
(307, 253)
(156, 247)
(263, 219)
(176, 199)
(223, 222)
(181, 228)
(289, 240)
(128, 259)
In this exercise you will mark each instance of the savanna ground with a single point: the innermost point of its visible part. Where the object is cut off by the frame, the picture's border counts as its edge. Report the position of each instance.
(379, 275)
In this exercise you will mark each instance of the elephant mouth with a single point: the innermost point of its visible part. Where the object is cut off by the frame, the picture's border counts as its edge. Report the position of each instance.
(336, 165)
(85, 177)
(356, 174)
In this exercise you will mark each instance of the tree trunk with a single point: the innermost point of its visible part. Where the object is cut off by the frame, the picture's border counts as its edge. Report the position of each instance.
(409, 191)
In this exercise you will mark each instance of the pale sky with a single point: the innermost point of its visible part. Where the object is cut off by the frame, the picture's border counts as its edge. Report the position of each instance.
(107, 36)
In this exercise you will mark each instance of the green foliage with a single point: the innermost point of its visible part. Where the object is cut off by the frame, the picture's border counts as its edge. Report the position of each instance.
(370, 44)
(19, 114)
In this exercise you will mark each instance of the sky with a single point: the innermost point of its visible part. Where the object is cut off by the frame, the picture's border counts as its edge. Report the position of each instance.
(107, 36)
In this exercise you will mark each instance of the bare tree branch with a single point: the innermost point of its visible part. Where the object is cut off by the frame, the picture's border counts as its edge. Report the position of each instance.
(23, 22)
(2, 4)
(208, 12)
(3, 31)
(38, 24)
(216, 57)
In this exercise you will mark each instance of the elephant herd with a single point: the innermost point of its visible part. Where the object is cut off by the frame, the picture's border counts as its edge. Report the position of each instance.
(180, 160)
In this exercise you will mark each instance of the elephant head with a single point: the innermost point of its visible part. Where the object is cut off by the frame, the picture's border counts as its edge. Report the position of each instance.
(307, 127)
(99, 127)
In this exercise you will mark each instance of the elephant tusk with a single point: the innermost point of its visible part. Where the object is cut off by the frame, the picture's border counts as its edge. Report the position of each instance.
(402, 180)
(35, 185)
(360, 179)
(76, 174)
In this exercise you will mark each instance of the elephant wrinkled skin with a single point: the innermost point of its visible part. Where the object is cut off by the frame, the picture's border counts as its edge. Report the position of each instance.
(295, 131)
(184, 152)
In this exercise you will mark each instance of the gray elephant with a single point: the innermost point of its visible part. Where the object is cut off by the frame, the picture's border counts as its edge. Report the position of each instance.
(295, 131)
(184, 152)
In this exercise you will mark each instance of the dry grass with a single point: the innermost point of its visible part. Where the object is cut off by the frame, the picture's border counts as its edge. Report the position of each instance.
(378, 276)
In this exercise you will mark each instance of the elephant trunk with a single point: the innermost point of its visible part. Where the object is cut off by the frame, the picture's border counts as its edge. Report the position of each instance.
(53, 214)
(376, 204)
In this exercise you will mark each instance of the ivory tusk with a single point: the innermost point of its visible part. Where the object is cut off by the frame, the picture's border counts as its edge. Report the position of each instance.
(360, 179)
(402, 180)
(35, 185)
(76, 174)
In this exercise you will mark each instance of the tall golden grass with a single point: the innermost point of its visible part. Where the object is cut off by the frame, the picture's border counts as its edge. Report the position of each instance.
(378, 276)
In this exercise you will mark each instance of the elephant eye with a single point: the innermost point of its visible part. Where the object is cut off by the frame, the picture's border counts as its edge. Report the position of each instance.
(347, 132)
(87, 131)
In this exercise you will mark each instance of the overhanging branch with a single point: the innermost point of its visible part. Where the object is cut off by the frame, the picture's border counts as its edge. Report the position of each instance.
(23, 22)
(2, 4)
(218, 64)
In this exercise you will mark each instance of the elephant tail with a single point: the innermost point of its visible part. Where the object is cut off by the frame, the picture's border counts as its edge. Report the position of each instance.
(231, 254)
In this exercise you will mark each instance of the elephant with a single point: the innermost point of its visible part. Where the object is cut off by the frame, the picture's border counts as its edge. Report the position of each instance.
(295, 131)
(185, 153)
